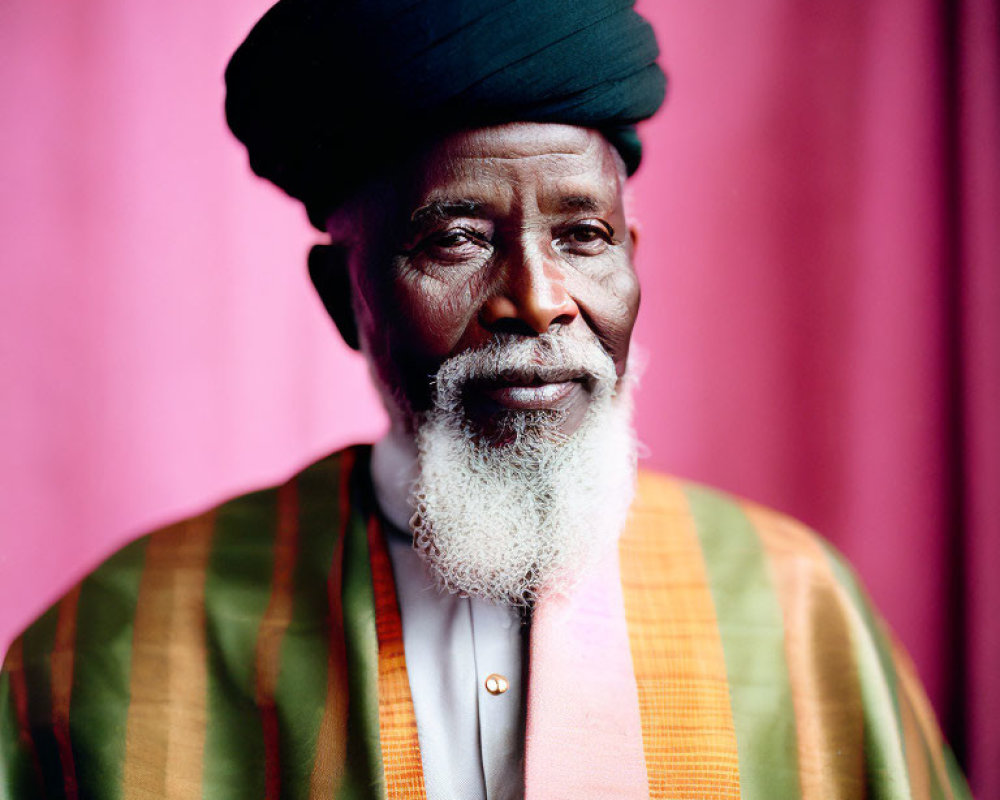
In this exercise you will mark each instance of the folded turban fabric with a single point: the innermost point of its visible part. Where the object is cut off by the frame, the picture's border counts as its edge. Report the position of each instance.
(325, 94)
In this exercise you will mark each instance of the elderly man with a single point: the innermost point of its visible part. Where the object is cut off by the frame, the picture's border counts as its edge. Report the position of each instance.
(487, 603)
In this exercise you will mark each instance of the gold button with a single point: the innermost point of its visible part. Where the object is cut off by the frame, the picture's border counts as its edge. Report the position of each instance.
(497, 684)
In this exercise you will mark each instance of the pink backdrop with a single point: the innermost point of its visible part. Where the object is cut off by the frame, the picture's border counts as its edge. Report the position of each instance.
(821, 286)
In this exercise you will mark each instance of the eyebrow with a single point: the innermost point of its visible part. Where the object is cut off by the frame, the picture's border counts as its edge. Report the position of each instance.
(580, 202)
(438, 210)
(452, 208)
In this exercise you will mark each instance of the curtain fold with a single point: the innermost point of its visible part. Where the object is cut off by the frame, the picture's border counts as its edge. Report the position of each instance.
(977, 64)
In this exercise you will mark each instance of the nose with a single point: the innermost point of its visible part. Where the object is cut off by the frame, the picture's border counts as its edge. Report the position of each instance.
(532, 293)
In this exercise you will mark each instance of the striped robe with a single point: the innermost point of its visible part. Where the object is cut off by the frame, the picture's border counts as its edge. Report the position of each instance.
(255, 651)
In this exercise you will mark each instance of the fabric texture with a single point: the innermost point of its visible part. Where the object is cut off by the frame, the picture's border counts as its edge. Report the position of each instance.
(327, 93)
(256, 650)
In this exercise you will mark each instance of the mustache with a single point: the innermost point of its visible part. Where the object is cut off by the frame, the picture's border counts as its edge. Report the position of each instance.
(548, 358)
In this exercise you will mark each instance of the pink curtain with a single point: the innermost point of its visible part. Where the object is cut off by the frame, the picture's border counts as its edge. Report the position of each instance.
(820, 260)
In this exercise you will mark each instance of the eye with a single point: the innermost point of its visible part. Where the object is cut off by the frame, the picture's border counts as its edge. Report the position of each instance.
(453, 245)
(585, 235)
(585, 238)
(449, 239)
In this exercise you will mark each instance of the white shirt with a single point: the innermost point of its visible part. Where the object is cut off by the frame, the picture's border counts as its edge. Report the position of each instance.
(471, 739)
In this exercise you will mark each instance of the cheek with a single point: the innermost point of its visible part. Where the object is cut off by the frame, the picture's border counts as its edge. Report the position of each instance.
(623, 286)
(610, 306)
(437, 312)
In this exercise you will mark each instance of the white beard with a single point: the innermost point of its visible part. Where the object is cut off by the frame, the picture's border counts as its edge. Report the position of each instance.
(506, 521)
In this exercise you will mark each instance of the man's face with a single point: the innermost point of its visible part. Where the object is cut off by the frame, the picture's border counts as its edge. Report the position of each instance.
(518, 229)
(493, 289)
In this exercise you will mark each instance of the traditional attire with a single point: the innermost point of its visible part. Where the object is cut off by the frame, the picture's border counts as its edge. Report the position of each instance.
(257, 651)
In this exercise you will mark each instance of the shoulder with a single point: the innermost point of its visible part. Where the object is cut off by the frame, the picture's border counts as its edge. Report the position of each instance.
(238, 533)
(797, 634)
(727, 527)
(778, 593)
(176, 619)
(751, 556)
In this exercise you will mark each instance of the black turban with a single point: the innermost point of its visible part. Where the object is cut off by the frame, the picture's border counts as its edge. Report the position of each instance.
(325, 93)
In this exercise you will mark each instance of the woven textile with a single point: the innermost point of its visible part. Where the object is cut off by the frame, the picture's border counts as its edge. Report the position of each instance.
(255, 651)
(397, 721)
(680, 670)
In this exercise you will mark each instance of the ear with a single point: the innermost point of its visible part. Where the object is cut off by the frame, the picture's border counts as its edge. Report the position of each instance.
(330, 276)
(633, 235)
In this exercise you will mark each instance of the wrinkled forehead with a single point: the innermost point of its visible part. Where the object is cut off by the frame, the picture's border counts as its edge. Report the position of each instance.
(539, 164)
(519, 159)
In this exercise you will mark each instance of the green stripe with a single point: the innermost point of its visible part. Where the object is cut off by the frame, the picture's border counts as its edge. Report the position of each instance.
(959, 787)
(18, 780)
(237, 589)
(12, 761)
(848, 581)
(302, 681)
(752, 632)
(885, 763)
(102, 665)
(364, 776)
(38, 642)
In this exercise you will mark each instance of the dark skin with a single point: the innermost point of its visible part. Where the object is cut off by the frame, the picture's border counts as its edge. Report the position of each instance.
(517, 229)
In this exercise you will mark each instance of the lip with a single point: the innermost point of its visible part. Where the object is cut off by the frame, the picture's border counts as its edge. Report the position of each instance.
(532, 397)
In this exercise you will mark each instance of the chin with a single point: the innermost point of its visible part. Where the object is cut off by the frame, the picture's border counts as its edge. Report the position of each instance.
(522, 506)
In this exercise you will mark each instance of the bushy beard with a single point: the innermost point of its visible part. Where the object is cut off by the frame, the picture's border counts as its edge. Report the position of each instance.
(506, 515)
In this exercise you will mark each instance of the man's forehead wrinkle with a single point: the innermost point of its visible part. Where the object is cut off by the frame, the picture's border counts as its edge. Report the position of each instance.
(525, 139)
(518, 170)
(479, 168)
(520, 142)
(480, 186)
(509, 156)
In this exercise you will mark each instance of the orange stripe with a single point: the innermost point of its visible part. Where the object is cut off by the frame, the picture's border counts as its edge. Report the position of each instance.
(19, 691)
(826, 693)
(272, 632)
(62, 686)
(168, 683)
(404, 776)
(331, 743)
(911, 690)
(687, 725)
(916, 758)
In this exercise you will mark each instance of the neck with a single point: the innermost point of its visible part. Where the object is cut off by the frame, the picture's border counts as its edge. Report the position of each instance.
(394, 469)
